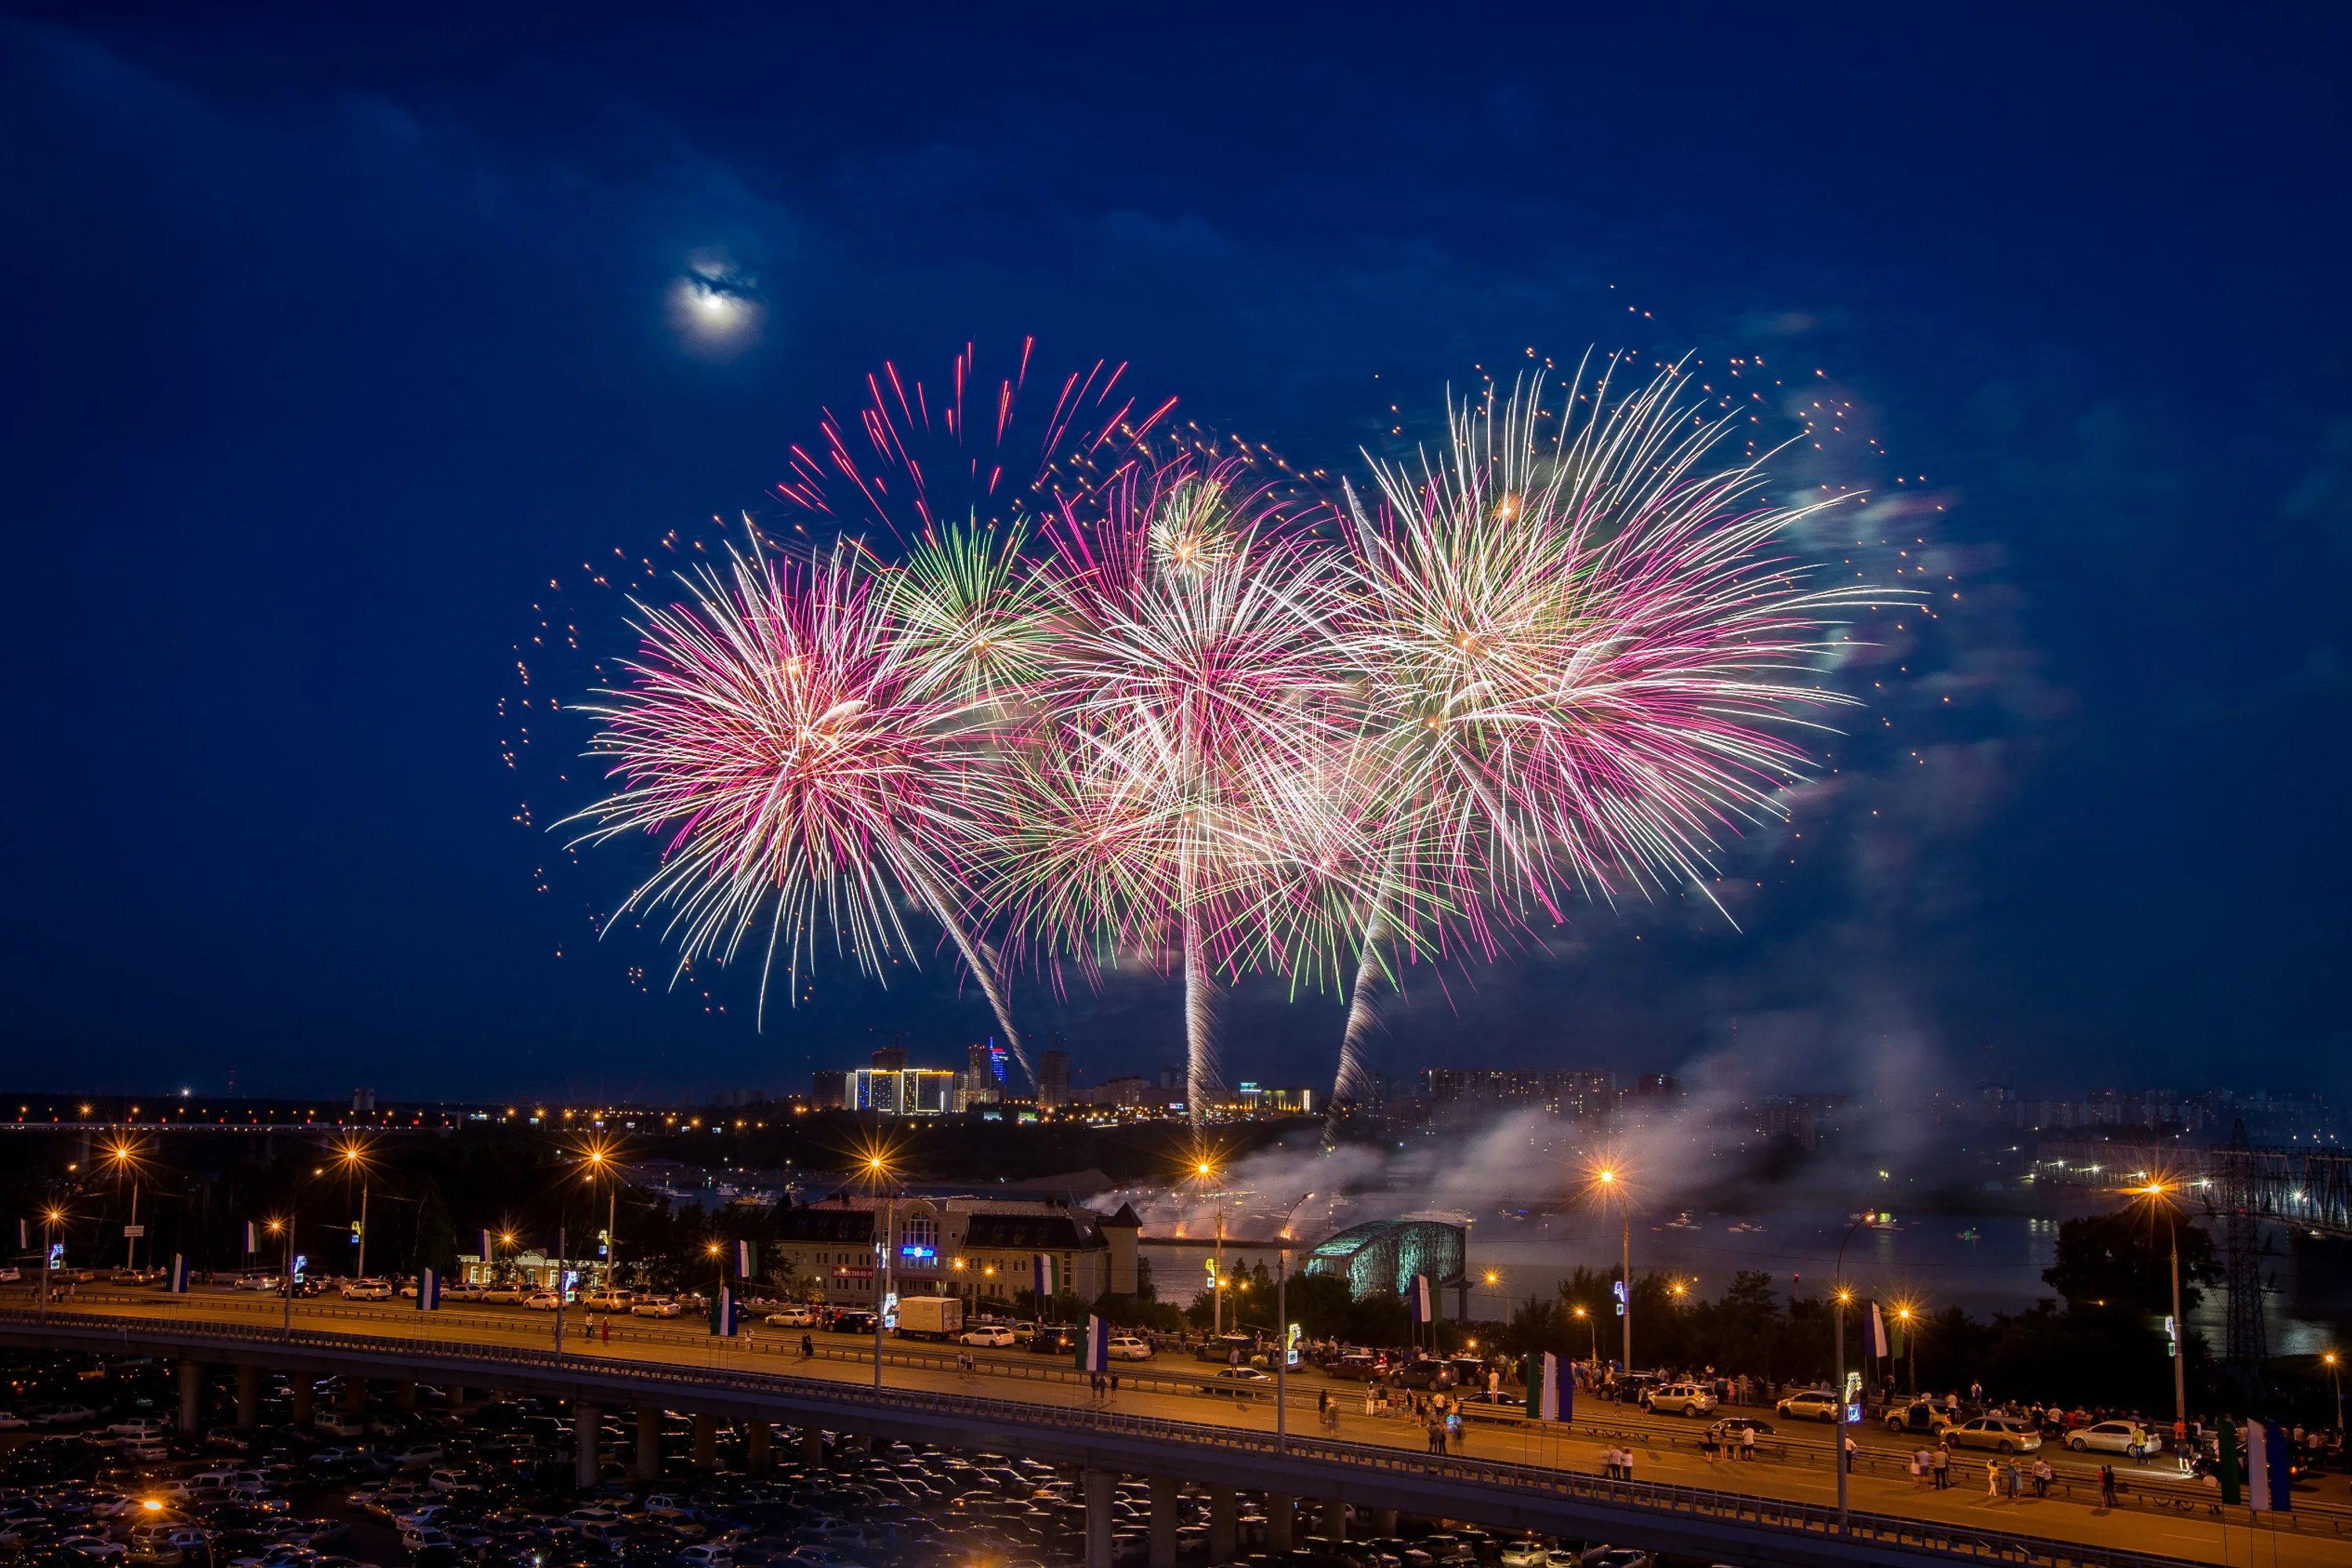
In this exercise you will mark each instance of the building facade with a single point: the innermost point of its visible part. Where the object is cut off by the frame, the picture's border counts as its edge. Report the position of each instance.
(972, 1247)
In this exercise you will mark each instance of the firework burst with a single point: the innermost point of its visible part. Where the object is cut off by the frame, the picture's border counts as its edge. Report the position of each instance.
(1583, 652)
(799, 769)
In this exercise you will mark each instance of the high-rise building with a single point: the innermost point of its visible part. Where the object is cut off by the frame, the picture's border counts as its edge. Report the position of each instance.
(908, 1091)
(890, 1058)
(1453, 1093)
(1053, 1080)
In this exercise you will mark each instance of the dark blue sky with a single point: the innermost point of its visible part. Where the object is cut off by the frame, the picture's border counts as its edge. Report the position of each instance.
(329, 342)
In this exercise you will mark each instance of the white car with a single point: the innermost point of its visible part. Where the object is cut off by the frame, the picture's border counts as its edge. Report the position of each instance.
(659, 1306)
(612, 1301)
(1682, 1399)
(995, 1336)
(256, 1283)
(368, 1290)
(2113, 1437)
(96, 1546)
(10, 1274)
(504, 1295)
(1810, 1404)
(1996, 1432)
(1128, 1347)
(462, 1291)
(417, 1455)
(9, 1422)
(544, 1301)
(68, 1415)
(796, 1317)
(1239, 1383)
(141, 1427)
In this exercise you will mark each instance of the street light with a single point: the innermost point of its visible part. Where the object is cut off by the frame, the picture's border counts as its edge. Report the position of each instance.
(124, 1156)
(49, 1223)
(353, 1154)
(1609, 1186)
(2155, 1196)
(287, 1226)
(2336, 1379)
(1596, 1336)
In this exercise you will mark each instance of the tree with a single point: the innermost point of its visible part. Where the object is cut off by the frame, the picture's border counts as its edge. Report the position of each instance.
(2125, 1261)
(436, 1237)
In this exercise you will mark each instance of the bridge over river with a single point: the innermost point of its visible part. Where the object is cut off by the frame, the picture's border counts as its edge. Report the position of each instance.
(1514, 1475)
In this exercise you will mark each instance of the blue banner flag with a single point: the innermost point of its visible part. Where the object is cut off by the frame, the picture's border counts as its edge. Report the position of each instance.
(2269, 1454)
(1094, 1351)
(747, 1258)
(249, 1239)
(722, 1313)
(1422, 1299)
(179, 1286)
(1044, 1280)
(428, 1290)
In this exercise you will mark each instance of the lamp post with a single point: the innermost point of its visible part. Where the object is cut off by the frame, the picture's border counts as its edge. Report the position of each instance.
(1612, 1189)
(124, 1158)
(1596, 1337)
(877, 1169)
(1282, 1350)
(286, 1329)
(49, 1223)
(354, 1155)
(2154, 1194)
(1839, 1296)
(2335, 1380)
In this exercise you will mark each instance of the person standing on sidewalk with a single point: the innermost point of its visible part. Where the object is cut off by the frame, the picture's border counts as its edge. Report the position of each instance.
(1943, 1466)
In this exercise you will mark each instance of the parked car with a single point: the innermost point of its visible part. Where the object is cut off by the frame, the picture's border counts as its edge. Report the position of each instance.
(2113, 1437)
(1128, 1347)
(1239, 1383)
(1225, 1348)
(66, 1415)
(608, 1300)
(1809, 1405)
(368, 1290)
(794, 1315)
(1997, 1432)
(1360, 1364)
(463, 1292)
(506, 1295)
(1424, 1374)
(12, 1423)
(543, 1301)
(139, 1426)
(995, 1336)
(657, 1307)
(1054, 1339)
(1922, 1416)
(852, 1320)
(1681, 1399)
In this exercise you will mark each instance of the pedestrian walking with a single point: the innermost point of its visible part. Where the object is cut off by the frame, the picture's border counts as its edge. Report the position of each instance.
(1992, 1479)
(808, 1347)
(1922, 1468)
(1851, 1448)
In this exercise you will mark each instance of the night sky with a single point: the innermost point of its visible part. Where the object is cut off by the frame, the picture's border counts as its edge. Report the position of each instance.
(329, 344)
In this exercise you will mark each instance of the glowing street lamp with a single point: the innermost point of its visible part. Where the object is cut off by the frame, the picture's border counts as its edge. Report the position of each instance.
(1608, 1186)
(2156, 1195)
(1596, 1334)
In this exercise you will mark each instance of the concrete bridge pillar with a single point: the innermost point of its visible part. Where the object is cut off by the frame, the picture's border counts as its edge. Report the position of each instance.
(756, 1455)
(248, 1397)
(1100, 1488)
(192, 1396)
(812, 1446)
(649, 1456)
(305, 1396)
(1384, 1523)
(1335, 1521)
(705, 1440)
(355, 1395)
(404, 1395)
(587, 1428)
(1224, 1525)
(1281, 1511)
(1164, 1490)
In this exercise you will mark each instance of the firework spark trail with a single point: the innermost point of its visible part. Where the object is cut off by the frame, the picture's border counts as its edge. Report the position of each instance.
(1581, 651)
(778, 742)
(1178, 706)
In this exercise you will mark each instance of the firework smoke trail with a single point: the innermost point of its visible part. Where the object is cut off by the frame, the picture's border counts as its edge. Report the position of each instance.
(1168, 803)
(1581, 653)
(778, 740)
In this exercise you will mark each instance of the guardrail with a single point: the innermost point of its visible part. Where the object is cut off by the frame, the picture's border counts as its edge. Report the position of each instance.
(1635, 1500)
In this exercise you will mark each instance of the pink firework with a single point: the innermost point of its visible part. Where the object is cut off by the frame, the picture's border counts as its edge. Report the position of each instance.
(1164, 801)
(1584, 654)
(778, 744)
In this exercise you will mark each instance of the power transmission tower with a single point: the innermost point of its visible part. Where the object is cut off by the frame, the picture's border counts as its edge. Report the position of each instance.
(2246, 1344)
